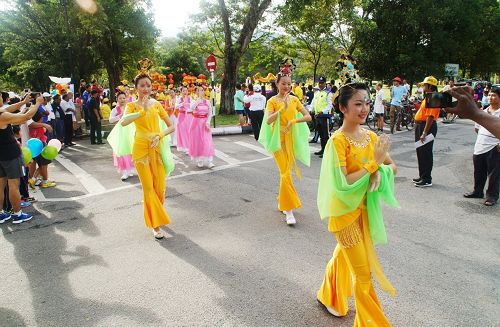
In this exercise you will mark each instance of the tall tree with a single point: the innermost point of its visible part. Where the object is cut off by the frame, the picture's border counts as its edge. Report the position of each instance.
(311, 27)
(234, 49)
(236, 21)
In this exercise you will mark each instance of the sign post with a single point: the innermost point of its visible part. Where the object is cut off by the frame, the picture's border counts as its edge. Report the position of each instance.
(451, 70)
(211, 64)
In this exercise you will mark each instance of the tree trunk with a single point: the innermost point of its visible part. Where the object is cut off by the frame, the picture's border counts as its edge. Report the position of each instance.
(228, 87)
(234, 51)
(114, 74)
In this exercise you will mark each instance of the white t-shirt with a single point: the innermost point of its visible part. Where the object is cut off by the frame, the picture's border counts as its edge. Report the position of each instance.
(378, 107)
(485, 140)
(48, 107)
(71, 105)
(65, 105)
(257, 101)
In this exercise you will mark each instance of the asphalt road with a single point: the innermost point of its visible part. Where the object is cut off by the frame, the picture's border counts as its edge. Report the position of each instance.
(86, 259)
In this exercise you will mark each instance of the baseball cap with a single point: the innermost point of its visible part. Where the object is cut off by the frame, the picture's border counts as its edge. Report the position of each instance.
(257, 88)
(397, 79)
(46, 95)
(322, 79)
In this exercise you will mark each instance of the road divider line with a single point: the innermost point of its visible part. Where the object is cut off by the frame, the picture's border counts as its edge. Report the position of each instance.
(256, 148)
(91, 184)
(230, 160)
(73, 149)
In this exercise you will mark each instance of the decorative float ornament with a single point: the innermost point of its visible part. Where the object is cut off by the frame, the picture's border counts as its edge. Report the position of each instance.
(184, 75)
(155, 76)
(155, 85)
(170, 76)
(161, 88)
(170, 81)
(163, 78)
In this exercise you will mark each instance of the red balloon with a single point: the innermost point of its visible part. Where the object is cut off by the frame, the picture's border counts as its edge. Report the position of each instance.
(170, 76)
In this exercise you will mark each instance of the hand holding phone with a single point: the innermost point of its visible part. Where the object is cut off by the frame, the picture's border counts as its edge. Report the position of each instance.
(439, 100)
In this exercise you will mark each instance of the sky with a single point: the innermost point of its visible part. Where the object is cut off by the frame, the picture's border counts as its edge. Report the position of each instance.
(172, 15)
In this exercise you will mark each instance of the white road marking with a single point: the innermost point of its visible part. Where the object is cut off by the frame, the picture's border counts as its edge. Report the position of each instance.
(82, 146)
(91, 184)
(257, 148)
(230, 160)
(125, 187)
(73, 149)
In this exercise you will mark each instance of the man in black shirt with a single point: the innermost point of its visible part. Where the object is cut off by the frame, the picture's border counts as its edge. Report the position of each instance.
(95, 118)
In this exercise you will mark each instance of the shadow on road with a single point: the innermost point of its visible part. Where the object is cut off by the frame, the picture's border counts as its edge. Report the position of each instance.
(42, 254)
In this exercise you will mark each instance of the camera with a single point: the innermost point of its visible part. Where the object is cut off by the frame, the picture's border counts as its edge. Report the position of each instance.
(439, 100)
(33, 96)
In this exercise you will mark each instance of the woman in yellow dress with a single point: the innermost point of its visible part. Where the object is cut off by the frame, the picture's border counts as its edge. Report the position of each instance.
(147, 114)
(293, 135)
(356, 171)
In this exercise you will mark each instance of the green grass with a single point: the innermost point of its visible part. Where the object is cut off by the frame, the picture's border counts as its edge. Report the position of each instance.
(225, 120)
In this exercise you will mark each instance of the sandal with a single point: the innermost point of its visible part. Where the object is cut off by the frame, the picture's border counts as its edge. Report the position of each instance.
(158, 235)
(489, 203)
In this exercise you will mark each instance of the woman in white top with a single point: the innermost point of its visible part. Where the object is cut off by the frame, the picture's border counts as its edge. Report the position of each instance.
(486, 156)
(378, 108)
(257, 104)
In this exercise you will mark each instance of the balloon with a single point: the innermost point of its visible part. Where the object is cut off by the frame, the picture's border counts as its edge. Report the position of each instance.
(49, 152)
(27, 157)
(58, 87)
(55, 143)
(35, 146)
(53, 92)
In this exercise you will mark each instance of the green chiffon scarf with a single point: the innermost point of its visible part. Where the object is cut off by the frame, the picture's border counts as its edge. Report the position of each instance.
(269, 137)
(121, 140)
(336, 197)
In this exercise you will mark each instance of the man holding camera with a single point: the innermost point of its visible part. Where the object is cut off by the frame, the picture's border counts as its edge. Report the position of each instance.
(425, 132)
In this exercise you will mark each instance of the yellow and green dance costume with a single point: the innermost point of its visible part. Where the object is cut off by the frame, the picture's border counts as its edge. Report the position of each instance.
(286, 147)
(355, 218)
(152, 164)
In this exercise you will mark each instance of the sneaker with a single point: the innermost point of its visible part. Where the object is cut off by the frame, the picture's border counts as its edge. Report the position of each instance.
(290, 219)
(416, 180)
(4, 216)
(25, 204)
(131, 174)
(158, 235)
(199, 164)
(423, 184)
(211, 165)
(38, 182)
(330, 310)
(30, 199)
(17, 219)
(48, 184)
(124, 177)
(31, 183)
(473, 195)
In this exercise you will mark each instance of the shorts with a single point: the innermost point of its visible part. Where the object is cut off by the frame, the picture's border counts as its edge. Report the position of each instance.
(12, 169)
(41, 161)
(240, 112)
(379, 114)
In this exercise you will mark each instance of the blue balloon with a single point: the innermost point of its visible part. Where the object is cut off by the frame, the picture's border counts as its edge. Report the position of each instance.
(35, 146)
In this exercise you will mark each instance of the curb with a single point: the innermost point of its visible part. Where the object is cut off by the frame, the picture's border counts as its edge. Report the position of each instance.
(231, 130)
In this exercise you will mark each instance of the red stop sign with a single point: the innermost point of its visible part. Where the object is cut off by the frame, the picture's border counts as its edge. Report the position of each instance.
(211, 63)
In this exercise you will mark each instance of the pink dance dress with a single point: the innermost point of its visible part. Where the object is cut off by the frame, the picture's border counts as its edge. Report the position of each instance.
(201, 145)
(183, 123)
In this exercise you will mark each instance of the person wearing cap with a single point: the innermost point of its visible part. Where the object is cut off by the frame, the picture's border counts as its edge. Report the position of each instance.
(256, 111)
(95, 118)
(425, 125)
(322, 106)
(398, 92)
